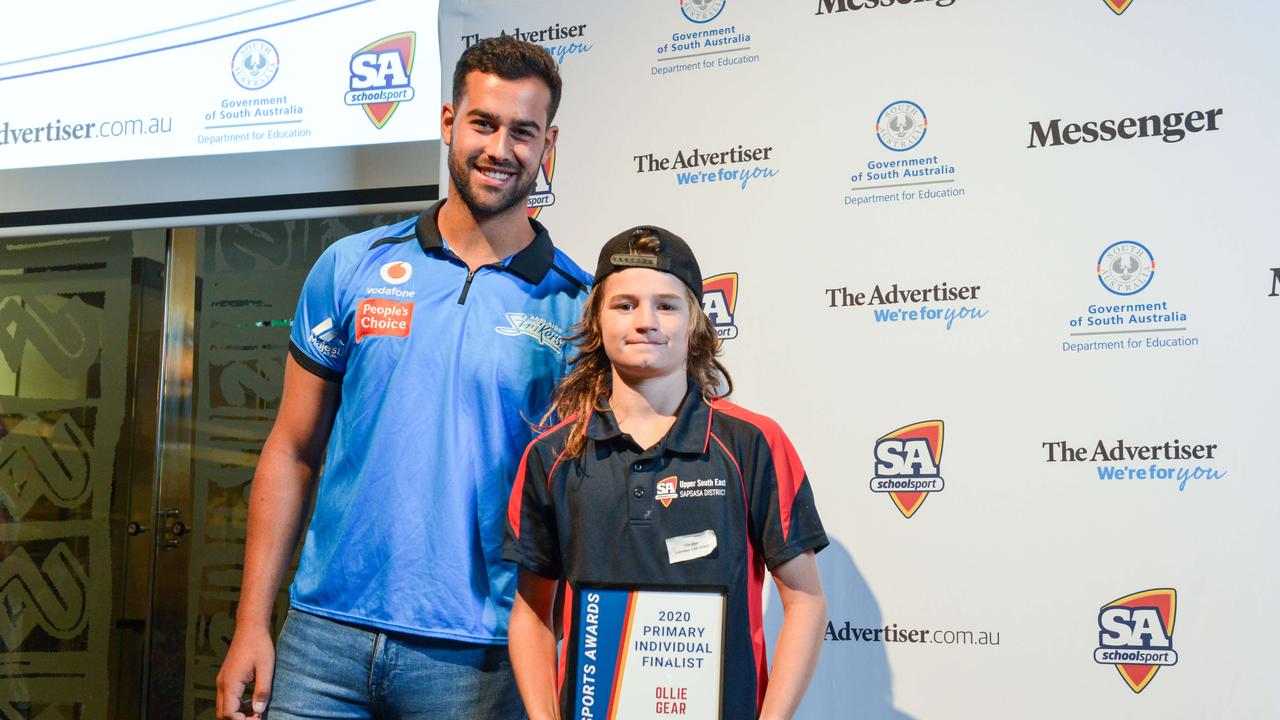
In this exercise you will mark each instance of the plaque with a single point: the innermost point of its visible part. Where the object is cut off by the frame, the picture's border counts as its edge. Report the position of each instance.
(646, 653)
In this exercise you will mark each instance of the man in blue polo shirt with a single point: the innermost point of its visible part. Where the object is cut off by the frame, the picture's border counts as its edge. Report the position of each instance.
(419, 353)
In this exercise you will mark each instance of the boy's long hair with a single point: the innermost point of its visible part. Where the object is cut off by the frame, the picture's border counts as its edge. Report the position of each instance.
(589, 384)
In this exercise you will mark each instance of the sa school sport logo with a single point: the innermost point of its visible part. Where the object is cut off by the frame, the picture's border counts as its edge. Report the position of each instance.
(719, 302)
(542, 196)
(909, 465)
(1135, 633)
(1118, 6)
(380, 76)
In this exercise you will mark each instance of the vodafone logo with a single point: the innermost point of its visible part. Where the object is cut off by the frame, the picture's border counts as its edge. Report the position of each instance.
(396, 273)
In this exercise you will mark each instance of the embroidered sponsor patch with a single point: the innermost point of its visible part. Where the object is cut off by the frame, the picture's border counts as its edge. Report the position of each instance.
(383, 317)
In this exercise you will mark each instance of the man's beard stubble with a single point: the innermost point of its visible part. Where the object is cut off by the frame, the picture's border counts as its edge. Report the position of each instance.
(518, 194)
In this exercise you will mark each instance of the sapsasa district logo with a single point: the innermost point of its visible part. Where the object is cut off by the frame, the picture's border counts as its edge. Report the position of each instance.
(381, 75)
(1118, 6)
(1135, 633)
(909, 465)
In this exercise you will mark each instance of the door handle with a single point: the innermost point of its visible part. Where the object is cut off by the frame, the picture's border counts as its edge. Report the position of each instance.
(173, 531)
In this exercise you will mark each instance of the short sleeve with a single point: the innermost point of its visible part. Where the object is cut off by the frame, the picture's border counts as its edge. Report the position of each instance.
(784, 517)
(532, 540)
(318, 340)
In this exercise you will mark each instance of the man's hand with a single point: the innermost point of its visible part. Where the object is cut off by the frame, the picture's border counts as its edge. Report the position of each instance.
(251, 659)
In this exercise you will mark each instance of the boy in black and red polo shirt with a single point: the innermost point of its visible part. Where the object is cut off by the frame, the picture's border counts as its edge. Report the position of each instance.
(660, 504)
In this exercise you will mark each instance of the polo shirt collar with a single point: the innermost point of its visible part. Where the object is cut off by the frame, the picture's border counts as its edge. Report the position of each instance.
(689, 434)
(530, 264)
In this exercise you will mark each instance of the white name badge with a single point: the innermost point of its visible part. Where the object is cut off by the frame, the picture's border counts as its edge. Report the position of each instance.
(647, 654)
(690, 547)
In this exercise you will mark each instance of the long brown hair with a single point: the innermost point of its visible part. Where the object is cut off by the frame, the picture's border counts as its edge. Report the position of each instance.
(589, 384)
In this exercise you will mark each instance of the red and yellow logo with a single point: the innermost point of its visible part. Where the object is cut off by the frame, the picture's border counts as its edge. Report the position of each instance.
(667, 490)
(909, 465)
(1135, 633)
(719, 302)
(542, 196)
(380, 76)
(1118, 6)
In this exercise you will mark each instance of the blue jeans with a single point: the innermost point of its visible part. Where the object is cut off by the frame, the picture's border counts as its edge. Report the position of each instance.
(328, 669)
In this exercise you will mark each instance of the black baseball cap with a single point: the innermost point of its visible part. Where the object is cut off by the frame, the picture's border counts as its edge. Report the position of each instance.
(674, 256)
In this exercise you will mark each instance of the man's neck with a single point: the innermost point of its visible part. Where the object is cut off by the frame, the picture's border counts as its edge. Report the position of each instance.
(646, 408)
(482, 240)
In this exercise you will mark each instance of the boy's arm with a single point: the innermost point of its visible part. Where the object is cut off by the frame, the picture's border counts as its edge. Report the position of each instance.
(804, 616)
(533, 646)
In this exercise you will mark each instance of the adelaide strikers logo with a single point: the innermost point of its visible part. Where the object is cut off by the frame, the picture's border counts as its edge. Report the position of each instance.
(1118, 6)
(542, 196)
(701, 11)
(719, 302)
(901, 125)
(909, 465)
(1126, 268)
(1135, 633)
(255, 64)
(380, 76)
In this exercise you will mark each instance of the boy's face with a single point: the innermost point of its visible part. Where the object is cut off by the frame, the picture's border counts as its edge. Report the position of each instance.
(645, 319)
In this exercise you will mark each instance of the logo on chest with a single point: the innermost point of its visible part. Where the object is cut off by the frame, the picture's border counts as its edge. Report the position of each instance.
(541, 329)
(375, 316)
(672, 488)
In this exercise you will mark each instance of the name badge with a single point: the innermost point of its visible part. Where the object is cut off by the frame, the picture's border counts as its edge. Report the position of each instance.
(690, 547)
(639, 654)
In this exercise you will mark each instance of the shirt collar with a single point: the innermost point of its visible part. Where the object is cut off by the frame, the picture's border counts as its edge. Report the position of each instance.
(530, 264)
(690, 433)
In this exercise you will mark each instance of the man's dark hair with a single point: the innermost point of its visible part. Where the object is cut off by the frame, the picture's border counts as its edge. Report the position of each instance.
(510, 58)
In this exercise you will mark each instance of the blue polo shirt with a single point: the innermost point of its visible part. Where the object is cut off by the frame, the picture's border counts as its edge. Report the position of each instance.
(441, 371)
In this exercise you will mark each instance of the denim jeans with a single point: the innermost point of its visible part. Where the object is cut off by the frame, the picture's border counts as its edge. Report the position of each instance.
(328, 669)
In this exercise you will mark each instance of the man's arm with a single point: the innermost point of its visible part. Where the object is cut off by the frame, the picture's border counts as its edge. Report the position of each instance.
(804, 616)
(281, 493)
(533, 646)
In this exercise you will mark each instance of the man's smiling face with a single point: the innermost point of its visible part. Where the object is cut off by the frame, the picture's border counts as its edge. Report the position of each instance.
(498, 137)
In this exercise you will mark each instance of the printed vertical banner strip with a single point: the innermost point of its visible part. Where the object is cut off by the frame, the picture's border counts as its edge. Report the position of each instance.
(603, 616)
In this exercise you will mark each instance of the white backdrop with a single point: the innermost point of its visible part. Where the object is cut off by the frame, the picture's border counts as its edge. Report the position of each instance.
(1016, 550)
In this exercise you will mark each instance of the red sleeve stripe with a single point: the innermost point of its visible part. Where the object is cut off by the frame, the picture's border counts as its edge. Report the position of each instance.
(755, 589)
(790, 472)
(566, 625)
(516, 501)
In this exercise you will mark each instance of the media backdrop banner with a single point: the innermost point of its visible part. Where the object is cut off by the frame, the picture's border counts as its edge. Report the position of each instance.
(1005, 273)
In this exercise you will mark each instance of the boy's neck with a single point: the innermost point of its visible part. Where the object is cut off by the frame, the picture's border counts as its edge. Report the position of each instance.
(645, 408)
